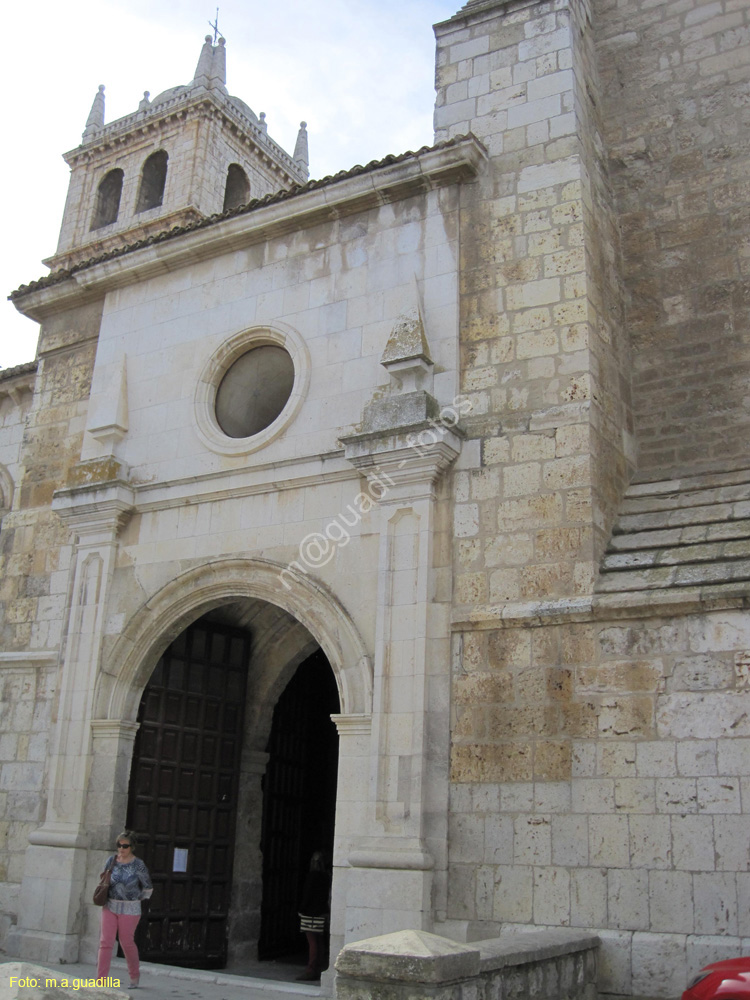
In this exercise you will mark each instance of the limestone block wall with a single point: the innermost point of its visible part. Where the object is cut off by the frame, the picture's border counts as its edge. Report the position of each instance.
(16, 390)
(676, 103)
(543, 355)
(27, 692)
(223, 146)
(36, 547)
(575, 771)
(600, 780)
(35, 552)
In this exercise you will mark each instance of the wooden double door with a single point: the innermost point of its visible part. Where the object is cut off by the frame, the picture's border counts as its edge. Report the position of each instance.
(184, 791)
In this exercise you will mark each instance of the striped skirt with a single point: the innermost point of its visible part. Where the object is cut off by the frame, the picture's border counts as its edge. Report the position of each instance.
(317, 925)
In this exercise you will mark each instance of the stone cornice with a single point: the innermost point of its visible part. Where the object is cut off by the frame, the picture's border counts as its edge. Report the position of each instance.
(451, 163)
(395, 460)
(270, 477)
(30, 659)
(353, 725)
(17, 382)
(114, 729)
(95, 508)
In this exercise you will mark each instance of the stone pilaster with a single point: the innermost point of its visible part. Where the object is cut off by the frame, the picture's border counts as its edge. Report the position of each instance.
(50, 912)
(390, 886)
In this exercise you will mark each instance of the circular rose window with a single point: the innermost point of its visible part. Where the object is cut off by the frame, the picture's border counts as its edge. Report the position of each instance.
(254, 391)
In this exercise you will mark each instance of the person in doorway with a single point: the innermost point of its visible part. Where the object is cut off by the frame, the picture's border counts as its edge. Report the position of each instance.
(314, 910)
(130, 883)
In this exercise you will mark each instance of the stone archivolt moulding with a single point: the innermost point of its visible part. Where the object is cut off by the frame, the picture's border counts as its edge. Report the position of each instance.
(209, 431)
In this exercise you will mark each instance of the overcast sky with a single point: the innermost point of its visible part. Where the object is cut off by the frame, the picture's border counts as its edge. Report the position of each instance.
(359, 72)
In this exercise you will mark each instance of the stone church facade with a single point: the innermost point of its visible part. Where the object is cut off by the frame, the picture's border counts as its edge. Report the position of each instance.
(457, 444)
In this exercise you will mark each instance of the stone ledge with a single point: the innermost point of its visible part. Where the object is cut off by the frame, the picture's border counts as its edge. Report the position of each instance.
(532, 946)
(410, 956)
(601, 607)
(556, 964)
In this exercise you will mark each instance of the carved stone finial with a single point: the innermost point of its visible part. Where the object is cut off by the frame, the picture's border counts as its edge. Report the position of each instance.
(211, 71)
(407, 354)
(218, 76)
(95, 120)
(301, 157)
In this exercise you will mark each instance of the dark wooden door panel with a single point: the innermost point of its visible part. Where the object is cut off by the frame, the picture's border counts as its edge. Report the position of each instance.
(299, 799)
(183, 792)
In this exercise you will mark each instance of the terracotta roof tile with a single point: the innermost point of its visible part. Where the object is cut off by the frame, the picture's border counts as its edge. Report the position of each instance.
(25, 368)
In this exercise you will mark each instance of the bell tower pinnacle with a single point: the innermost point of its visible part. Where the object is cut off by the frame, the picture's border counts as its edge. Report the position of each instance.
(95, 120)
(188, 153)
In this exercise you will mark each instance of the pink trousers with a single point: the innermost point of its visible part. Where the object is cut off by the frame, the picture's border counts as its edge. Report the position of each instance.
(122, 926)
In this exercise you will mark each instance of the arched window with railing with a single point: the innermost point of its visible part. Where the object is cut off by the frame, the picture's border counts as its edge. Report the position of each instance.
(153, 180)
(237, 191)
(108, 196)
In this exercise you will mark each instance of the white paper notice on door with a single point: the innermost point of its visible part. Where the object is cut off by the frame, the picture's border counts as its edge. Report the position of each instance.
(179, 863)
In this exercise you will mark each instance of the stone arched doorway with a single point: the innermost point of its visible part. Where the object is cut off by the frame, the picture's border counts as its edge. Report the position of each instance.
(212, 585)
(281, 634)
(230, 814)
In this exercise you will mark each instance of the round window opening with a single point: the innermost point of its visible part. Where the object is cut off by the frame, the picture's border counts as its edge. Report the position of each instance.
(254, 391)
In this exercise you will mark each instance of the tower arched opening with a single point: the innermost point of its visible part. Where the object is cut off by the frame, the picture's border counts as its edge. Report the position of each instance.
(237, 190)
(153, 181)
(108, 195)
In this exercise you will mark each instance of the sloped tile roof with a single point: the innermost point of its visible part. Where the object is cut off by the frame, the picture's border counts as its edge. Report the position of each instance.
(63, 274)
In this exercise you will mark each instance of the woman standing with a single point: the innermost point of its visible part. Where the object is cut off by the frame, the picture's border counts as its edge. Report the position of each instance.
(313, 915)
(130, 884)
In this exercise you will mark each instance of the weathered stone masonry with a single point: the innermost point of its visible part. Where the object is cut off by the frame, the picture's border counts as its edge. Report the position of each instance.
(598, 750)
(540, 632)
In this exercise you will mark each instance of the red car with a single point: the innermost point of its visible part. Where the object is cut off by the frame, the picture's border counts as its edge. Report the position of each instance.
(727, 980)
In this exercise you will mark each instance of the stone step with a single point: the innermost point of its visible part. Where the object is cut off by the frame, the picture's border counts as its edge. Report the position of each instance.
(690, 535)
(680, 500)
(687, 483)
(664, 577)
(680, 516)
(677, 555)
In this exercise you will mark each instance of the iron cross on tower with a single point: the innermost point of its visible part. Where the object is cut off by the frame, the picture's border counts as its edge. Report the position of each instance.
(215, 25)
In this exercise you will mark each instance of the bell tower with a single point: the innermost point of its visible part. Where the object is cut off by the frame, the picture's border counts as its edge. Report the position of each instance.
(191, 152)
